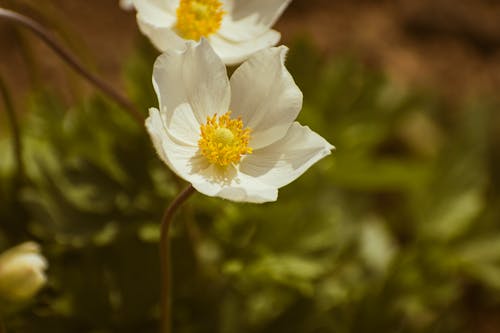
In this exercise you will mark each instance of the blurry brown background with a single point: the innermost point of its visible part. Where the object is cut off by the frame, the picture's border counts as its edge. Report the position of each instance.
(449, 46)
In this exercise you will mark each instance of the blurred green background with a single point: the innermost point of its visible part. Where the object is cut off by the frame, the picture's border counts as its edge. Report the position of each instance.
(397, 231)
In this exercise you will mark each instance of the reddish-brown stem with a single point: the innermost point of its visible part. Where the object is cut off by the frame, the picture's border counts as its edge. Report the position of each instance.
(166, 321)
(71, 60)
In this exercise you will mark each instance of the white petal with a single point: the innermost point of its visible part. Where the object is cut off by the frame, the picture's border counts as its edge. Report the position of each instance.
(171, 4)
(228, 5)
(186, 161)
(205, 81)
(167, 80)
(177, 114)
(162, 37)
(251, 18)
(157, 131)
(155, 12)
(242, 30)
(232, 185)
(248, 189)
(183, 125)
(265, 95)
(233, 53)
(284, 161)
(183, 159)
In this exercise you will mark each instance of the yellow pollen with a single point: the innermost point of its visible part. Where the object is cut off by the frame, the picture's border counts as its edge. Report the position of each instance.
(198, 18)
(224, 140)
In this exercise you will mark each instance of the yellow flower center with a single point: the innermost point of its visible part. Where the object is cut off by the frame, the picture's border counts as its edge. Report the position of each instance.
(224, 140)
(198, 18)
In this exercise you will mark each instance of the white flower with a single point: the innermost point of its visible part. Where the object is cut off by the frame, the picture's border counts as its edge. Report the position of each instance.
(235, 28)
(21, 272)
(237, 138)
(127, 4)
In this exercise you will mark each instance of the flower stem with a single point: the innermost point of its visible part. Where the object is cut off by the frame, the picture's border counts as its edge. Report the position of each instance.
(165, 258)
(71, 60)
(16, 132)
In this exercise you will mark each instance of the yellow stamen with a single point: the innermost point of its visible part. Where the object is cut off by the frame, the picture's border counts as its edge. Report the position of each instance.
(224, 140)
(198, 18)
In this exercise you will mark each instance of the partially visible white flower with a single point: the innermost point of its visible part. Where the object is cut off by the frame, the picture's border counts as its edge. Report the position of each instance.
(22, 272)
(235, 28)
(235, 139)
(127, 4)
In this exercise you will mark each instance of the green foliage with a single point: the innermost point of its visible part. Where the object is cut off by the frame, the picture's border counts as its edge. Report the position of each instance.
(397, 231)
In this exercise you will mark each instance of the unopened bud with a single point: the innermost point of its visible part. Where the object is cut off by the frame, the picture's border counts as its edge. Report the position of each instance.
(22, 272)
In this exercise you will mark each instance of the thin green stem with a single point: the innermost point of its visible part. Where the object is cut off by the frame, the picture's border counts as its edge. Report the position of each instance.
(72, 61)
(16, 131)
(166, 322)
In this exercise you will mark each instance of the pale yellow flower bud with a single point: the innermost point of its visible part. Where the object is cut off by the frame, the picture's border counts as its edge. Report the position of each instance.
(22, 272)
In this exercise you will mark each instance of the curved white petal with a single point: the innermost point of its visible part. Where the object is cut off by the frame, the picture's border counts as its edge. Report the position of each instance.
(183, 125)
(171, 4)
(242, 30)
(183, 159)
(233, 53)
(167, 80)
(250, 18)
(162, 37)
(205, 80)
(284, 161)
(176, 112)
(186, 161)
(155, 12)
(265, 96)
(157, 131)
(232, 185)
(228, 5)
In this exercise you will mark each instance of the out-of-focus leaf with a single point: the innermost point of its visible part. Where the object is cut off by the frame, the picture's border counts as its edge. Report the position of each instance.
(452, 218)
(377, 245)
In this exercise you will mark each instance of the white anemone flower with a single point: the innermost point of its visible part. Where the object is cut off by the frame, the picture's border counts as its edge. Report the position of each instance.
(235, 28)
(236, 139)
